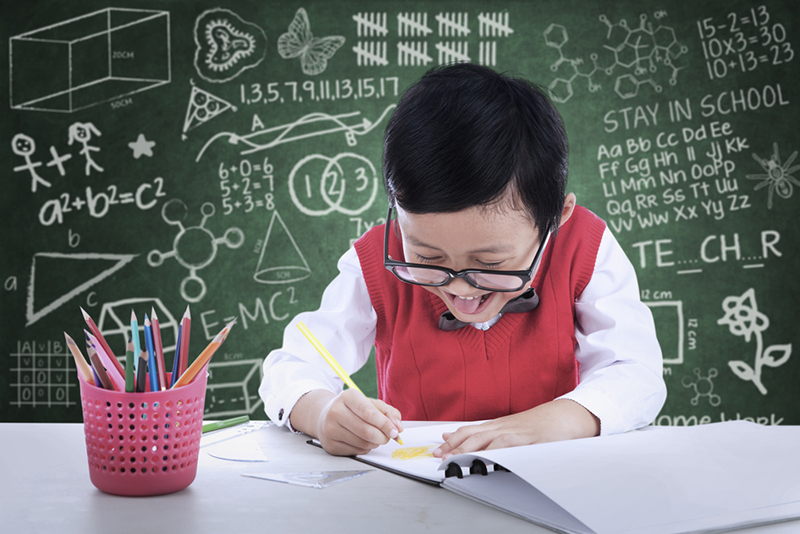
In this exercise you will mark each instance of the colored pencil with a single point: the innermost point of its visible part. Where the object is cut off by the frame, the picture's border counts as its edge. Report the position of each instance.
(186, 322)
(202, 360)
(227, 423)
(151, 360)
(97, 381)
(117, 379)
(83, 368)
(99, 370)
(161, 368)
(130, 378)
(96, 331)
(176, 360)
(331, 361)
(135, 335)
(141, 373)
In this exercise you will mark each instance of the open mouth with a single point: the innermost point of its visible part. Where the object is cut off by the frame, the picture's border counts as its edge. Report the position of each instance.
(470, 305)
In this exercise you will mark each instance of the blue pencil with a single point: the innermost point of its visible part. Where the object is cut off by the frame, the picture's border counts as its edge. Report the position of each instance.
(135, 335)
(151, 361)
(176, 362)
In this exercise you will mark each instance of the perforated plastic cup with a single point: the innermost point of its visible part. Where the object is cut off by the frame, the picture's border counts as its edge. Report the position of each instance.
(143, 443)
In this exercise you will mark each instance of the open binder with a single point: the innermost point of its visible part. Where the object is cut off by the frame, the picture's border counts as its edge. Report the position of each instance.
(659, 480)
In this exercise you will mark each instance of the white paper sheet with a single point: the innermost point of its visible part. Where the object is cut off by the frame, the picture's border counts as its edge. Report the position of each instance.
(666, 480)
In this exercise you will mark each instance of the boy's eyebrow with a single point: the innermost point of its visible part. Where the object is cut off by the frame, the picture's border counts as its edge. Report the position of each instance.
(493, 249)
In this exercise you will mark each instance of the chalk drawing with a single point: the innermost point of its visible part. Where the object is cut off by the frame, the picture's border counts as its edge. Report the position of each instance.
(703, 387)
(413, 53)
(42, 375)
(371, 24)
(226, 45)
(314, 52)
(670, 327)
(58, 160)
(203, 106)
(371, 54)
(779, 176)
(413, 25)
(114, 322)
(340, 178)
(233, 387)
(453, 52)
(32, 314)
(24, 146)
(494, 24)
(90, 59)
(640, 49)
(142, 147)
(743, 319)
(81, 133)
(281, 134)
(281, 260)
(453, 24)
(195, 247)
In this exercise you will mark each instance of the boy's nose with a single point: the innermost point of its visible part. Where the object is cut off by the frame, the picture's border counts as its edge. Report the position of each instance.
(461, 288)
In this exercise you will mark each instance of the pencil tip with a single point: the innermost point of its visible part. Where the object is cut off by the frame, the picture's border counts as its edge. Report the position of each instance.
(68, 338)
(187, 314)
(153, 314)
(85, 315)
(133, 315)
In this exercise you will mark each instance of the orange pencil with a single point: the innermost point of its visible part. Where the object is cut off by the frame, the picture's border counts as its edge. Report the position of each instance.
(83, 368)
(202, 360)
(96, 331)
(161, 368)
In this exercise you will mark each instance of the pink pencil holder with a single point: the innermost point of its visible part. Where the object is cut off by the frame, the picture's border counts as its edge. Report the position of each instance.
(143, 443)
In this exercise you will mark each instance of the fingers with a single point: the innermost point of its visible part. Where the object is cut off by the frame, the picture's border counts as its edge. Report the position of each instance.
(476, 438)
(392, 413)
(353, 424)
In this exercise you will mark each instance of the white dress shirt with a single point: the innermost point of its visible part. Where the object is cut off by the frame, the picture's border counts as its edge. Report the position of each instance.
(621, 379)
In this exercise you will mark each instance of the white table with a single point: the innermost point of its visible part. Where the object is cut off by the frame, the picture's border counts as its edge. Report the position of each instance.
(46, 488)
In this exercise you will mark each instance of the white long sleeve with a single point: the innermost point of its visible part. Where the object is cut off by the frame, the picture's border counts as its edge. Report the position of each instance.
(619, 355)
(620, 359)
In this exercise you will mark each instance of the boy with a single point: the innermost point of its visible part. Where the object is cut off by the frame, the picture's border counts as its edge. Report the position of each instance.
(492, 296)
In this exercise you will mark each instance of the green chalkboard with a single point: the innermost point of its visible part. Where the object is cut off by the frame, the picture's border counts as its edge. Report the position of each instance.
(223, 155)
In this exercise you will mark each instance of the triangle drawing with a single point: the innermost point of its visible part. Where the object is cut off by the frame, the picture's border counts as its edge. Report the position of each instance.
(203, 106)
(118, 261)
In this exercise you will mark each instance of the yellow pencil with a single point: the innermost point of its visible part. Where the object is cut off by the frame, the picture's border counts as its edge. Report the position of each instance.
(332, 361)
(80, 363)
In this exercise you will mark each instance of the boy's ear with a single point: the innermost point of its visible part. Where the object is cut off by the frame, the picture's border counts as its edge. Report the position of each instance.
(569, 207)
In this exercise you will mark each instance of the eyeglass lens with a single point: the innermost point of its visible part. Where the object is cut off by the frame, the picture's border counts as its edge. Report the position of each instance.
(435, 276)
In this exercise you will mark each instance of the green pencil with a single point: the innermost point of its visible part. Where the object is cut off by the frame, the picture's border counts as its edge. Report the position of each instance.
(208, 427)
(130, 380)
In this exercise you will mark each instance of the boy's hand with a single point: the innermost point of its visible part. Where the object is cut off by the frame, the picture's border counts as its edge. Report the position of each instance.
(348, 423)
(553, 421)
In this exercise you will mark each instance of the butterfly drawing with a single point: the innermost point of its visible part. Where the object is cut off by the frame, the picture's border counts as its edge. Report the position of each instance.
(314, 52)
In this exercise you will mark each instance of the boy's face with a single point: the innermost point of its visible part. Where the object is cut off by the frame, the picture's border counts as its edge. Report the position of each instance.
(496, 237)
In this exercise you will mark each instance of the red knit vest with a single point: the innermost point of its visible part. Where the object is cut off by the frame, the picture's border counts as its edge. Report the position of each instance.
(523, 360)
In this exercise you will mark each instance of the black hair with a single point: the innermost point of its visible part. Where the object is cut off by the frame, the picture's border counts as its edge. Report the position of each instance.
(464, 134)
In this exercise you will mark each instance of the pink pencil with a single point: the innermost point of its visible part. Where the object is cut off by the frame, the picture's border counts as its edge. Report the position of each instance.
(106, 360)
(161, 368)
(102, 342)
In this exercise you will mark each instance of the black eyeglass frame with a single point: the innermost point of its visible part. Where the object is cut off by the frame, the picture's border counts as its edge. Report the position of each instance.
(524, 276)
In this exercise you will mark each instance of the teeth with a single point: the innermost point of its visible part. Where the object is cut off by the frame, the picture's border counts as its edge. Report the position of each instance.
(467, 298)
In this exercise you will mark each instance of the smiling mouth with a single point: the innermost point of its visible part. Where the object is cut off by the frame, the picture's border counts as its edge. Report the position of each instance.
(470, 305)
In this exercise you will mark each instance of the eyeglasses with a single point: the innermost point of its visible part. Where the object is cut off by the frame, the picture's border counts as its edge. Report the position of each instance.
(487, 279)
